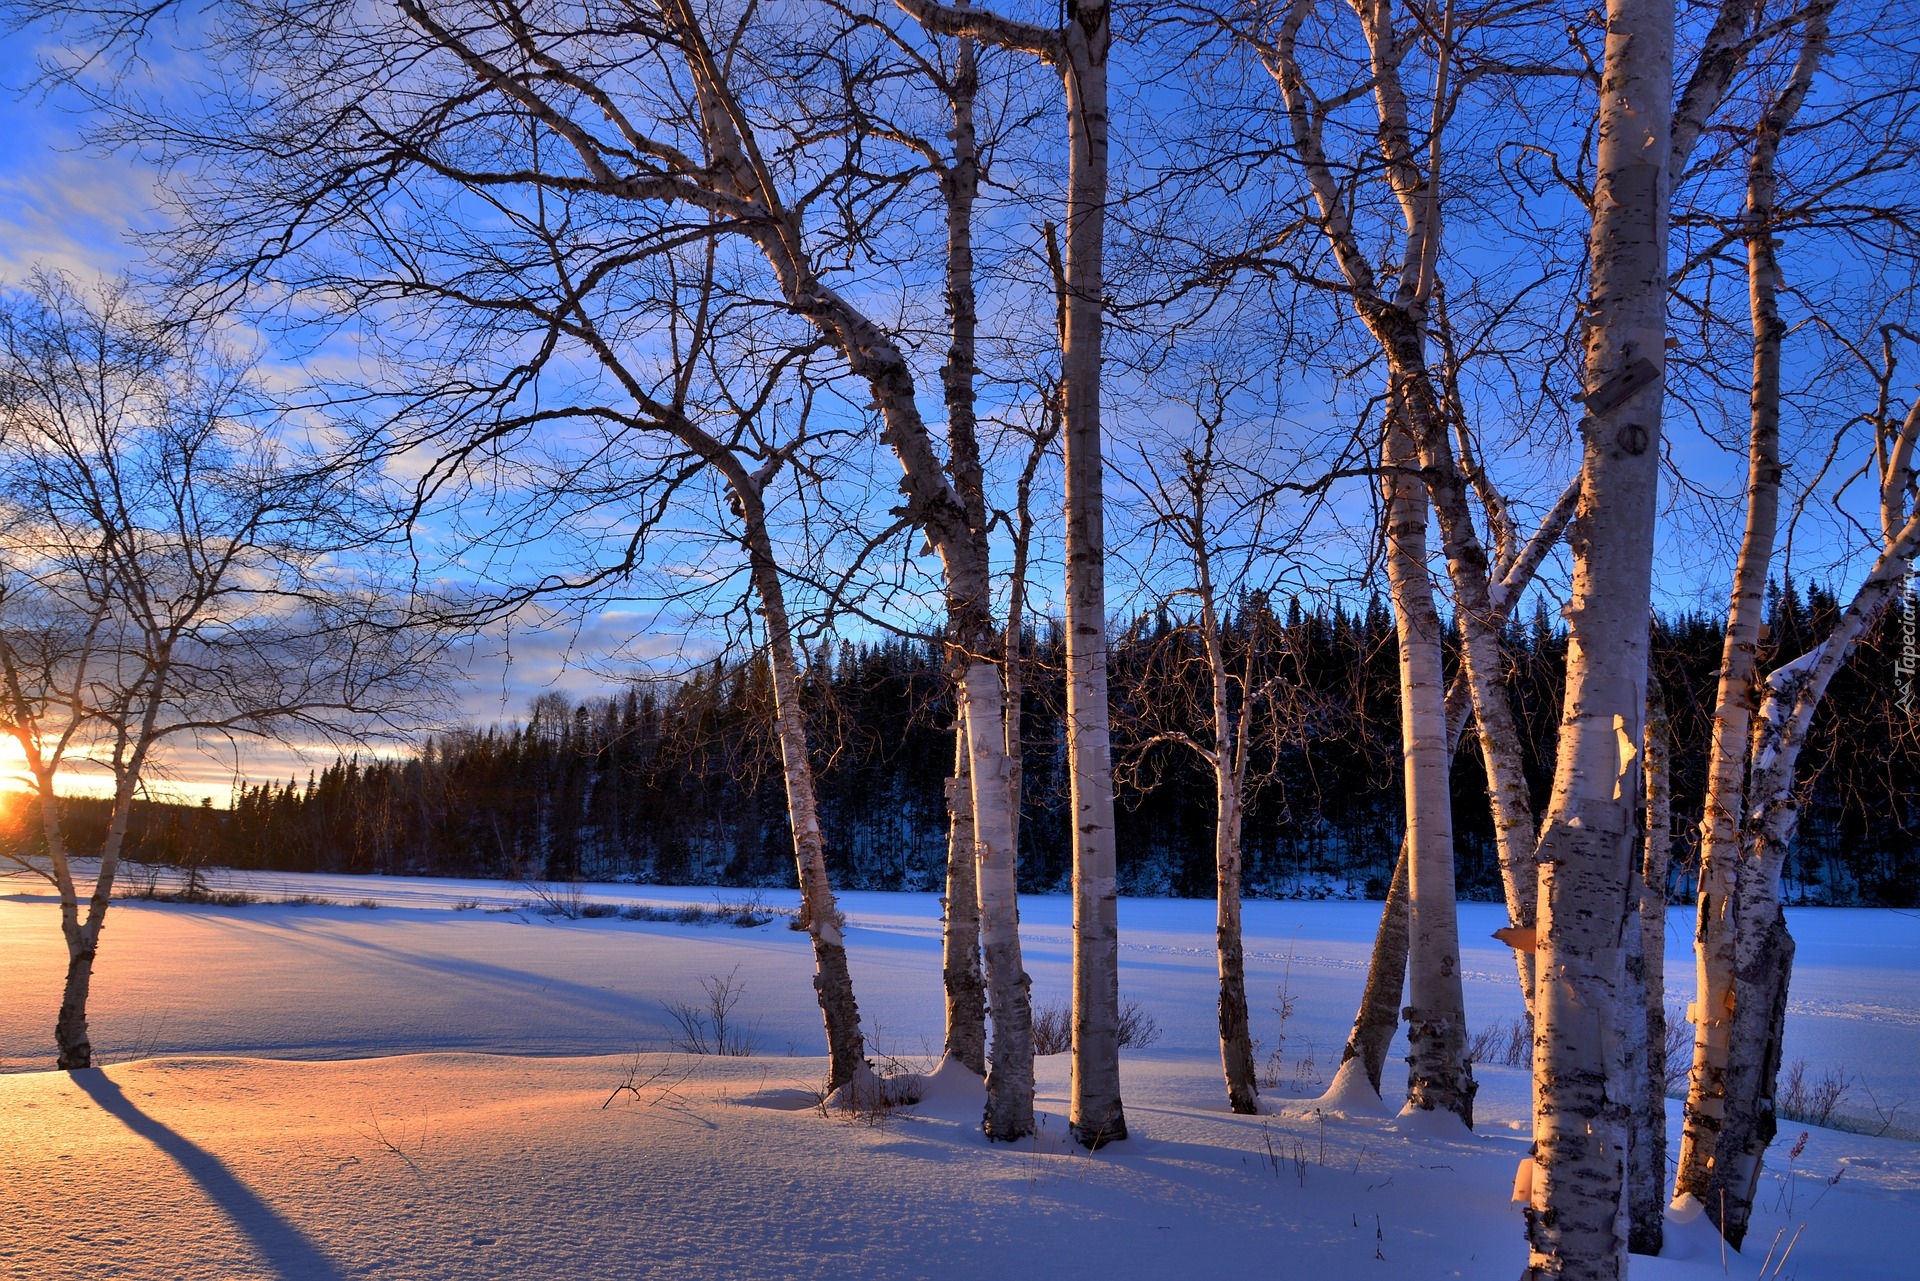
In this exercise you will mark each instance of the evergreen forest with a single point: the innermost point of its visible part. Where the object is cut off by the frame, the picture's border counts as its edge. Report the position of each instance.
(679, 782)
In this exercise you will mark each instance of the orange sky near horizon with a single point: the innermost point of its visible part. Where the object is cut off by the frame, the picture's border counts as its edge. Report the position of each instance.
(186, 777)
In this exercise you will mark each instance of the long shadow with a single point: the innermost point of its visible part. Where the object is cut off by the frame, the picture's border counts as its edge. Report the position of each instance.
(282, 1244)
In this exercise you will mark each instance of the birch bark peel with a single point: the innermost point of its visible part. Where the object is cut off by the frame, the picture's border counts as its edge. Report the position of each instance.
(1438, 1074)
(1575, 1223)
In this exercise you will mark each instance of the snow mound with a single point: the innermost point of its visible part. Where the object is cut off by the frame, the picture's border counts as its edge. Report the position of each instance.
(952, 1092)
(1692, 1247)
(1431, 1123)
(1350, 1096)
(869, 1092)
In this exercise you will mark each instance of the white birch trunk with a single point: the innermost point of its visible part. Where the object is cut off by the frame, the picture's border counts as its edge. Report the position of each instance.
(1379, 1015)
(1438, 1074)
(1721, 836)
(1009, 1113)
(132, 743)
(966, 1038)
(1575, 1220)
(960, 938)
(1096, 1115)
(832, 979)
(1647, 1164)
(1630, 1073)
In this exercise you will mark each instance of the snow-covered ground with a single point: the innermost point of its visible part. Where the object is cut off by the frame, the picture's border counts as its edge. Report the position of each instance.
(455, 1127)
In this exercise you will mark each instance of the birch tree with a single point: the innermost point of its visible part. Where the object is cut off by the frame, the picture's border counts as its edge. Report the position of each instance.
(1439, 1074)
(1763, 946)
(1402, 311)
(165, 579)
(1579, 1167)
(1720, 831)
(748, 462)
(660, 134)
(1078, 50)
(1217, 512)
(1722, 1147)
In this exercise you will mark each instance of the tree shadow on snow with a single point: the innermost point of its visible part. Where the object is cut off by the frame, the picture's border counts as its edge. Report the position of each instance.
(280, 1242)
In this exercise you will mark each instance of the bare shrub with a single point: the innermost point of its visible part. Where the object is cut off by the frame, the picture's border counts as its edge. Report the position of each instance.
(568, 900)
(747, 911)
(1887, 1114)
(1505, 1042)
(214, 898)
(688, 915)
(635, 1084)
(1138, 1029)
(711, 1029)
(141, 880)
(1053, 1028)
(1679, 1059)
(1303, 1069)
(595, 911)
(1807, 1099)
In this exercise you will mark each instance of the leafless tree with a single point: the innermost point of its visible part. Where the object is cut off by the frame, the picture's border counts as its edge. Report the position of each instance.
(173, 573)
(1579, 1174)
(673, 126)
(1078, 49)
(1217, 512)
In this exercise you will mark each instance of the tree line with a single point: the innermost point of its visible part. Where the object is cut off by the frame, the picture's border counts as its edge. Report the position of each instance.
(677, 782)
